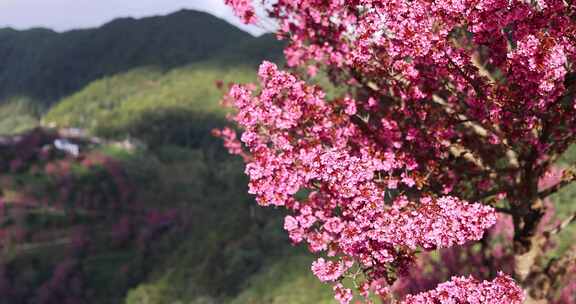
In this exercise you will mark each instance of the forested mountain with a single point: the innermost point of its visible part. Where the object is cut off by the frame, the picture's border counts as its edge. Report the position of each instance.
(44, 65)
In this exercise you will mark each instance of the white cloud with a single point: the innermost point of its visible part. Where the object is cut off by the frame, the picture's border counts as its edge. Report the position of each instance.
(68, 14)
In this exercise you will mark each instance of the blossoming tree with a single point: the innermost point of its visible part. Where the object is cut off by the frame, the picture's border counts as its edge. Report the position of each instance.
(453, 111)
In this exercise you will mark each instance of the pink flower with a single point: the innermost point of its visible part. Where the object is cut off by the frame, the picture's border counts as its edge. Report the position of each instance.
(350, 107)
(334, 225)
(328, 271)
(290, 223)
(341, 294)
(243, 9)
(502, 290)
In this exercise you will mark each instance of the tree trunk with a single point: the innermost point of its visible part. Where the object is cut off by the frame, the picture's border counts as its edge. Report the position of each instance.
(530, 275)
(528, 251)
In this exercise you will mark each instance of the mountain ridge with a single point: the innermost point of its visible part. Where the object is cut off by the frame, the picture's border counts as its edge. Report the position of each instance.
(45, 65)
(183, 11)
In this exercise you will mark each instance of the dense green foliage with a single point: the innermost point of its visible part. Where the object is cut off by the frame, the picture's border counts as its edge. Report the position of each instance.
(181, 105)
(18, 114)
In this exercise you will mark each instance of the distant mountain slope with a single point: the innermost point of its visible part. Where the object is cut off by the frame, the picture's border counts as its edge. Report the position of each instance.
(45, 65)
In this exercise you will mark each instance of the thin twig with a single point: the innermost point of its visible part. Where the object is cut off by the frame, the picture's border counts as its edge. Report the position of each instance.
(503, 210)
(561, 226)
(551, 190)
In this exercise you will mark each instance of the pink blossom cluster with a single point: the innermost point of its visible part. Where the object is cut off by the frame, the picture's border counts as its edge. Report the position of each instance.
(297, 141)
(328, 271)
(243, 9)
(493, 254)
(495, 62)
(342, 294)
(446, 101)
(502, 290)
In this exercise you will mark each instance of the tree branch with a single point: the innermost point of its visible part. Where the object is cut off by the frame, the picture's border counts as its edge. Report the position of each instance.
(560, 227)
(503, 210)
(569, 177)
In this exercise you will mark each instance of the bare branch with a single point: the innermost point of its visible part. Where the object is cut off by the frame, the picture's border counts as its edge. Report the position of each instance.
(459, 151)
(486, 195)
(555, 188)
(560, 227)
(96, 212)
(482, 68)
(20, 249)
(491, 201)
(475, 127)
(568, 178)
(503, 210)
(479, 130)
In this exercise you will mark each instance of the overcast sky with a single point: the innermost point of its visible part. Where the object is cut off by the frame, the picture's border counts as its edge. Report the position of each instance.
(63, 15)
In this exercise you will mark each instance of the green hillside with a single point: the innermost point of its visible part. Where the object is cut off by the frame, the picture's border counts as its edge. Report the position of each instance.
(19, 114)
(151, 105)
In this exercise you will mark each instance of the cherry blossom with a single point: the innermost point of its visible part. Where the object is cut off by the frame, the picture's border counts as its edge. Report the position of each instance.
(243, 9)
(447, 107)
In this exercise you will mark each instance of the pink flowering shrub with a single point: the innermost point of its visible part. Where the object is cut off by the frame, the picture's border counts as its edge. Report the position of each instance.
(502, 290)
(452, 111)
(482, 260)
